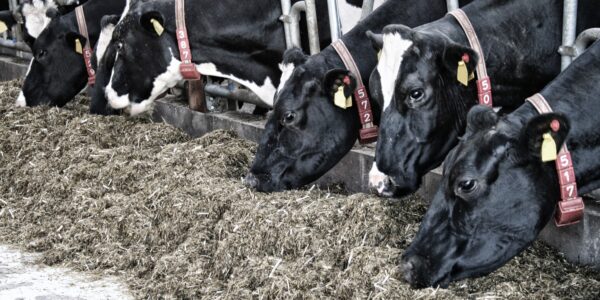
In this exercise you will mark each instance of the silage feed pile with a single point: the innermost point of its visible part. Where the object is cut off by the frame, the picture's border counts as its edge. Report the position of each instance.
(169, 215)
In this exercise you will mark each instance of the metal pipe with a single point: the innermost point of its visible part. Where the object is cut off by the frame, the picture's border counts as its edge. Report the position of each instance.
(569, 31)
(452, 4)
(367, 8)
(285, 9)
(20, 46)
(294, 21)
(334, 20)
(313, 27)
(242, 95)
(586, 39)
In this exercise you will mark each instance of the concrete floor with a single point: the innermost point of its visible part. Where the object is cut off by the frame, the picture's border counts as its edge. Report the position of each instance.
(21, 278)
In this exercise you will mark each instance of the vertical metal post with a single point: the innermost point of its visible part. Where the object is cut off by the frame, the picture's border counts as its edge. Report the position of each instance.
(452, 4)
(286, 6)
(569, 30)
(334, 20)
(313, 27)
(293, 18)
(367, 8)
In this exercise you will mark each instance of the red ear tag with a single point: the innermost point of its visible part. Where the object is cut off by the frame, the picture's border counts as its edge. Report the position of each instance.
(466, 58)
(347, 80)
(555, 125)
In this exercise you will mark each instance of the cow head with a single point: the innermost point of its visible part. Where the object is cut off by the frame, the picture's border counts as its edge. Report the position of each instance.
(495, 198)
(139, 77)
(57, 72)
(306, 134)
(424, 106)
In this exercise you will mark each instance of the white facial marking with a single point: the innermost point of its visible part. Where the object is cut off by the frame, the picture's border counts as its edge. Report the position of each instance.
(125, 11)
(104, 40)
(21, 101)
(286, 73)
(377, 180)
(115, 101)
(394, 47)
(140, 108)
(35, 17)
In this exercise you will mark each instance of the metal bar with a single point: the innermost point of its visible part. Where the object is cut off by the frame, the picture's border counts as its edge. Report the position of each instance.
(14, 45)
(334, 20)
(313, 27)
(367, 8)
(586, 39)
(242, 95)
(569, 30)
(286, 6)
(452, 4)
(294, 21)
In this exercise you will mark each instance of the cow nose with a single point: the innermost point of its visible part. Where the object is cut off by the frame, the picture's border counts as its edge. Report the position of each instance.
(410, 267)
(250, 181)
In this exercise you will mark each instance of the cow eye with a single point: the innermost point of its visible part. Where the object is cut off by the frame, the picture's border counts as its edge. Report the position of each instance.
(467, 186)
(42, 53)
(417, 95)
(288, 118)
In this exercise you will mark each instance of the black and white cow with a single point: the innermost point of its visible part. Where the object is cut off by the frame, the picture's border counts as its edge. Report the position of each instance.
(497, 194)
(33, 14)
(307, 135)
(425, 107)
(242, 41)
(57, 72)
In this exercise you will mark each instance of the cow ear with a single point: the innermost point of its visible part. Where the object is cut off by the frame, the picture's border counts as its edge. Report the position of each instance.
(336, 78)
(109, 20)
(52, 13)
(376, 40)
(294, 56)
(75, 42)
(153, 22)
(544, 133)
(454, 54)
(480, 118)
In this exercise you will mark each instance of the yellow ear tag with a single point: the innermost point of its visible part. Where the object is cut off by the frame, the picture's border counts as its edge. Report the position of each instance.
(548, 148)
(462, 74)
(157, 27)
(3, 27)
(78, 47)
(472, 76)
(340, 99)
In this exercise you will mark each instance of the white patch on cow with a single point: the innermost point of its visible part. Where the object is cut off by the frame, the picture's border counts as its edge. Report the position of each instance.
(394, 47)
(286, 73)
(104, 40)
(21, 101)
(115, 101)
(34, 14)
(140, 108)
(377, 180)
(126, 10)
(265, 92)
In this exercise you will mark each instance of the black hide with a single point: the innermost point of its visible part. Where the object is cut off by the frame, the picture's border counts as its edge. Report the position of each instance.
(497, 195)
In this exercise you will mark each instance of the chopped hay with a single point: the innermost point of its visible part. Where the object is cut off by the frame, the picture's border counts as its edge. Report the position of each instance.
(169, 215)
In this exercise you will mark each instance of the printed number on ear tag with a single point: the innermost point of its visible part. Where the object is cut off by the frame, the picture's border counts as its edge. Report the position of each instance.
(340, 99)
(548, 148)
(462, 73)
(3, 27)
(157, 27)
(78, 47)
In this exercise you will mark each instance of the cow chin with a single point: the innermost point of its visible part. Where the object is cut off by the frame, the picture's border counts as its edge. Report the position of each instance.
(21, 101)
(289, 174)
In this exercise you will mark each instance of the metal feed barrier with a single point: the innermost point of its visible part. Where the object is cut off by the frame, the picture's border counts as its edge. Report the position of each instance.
(572, 46)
